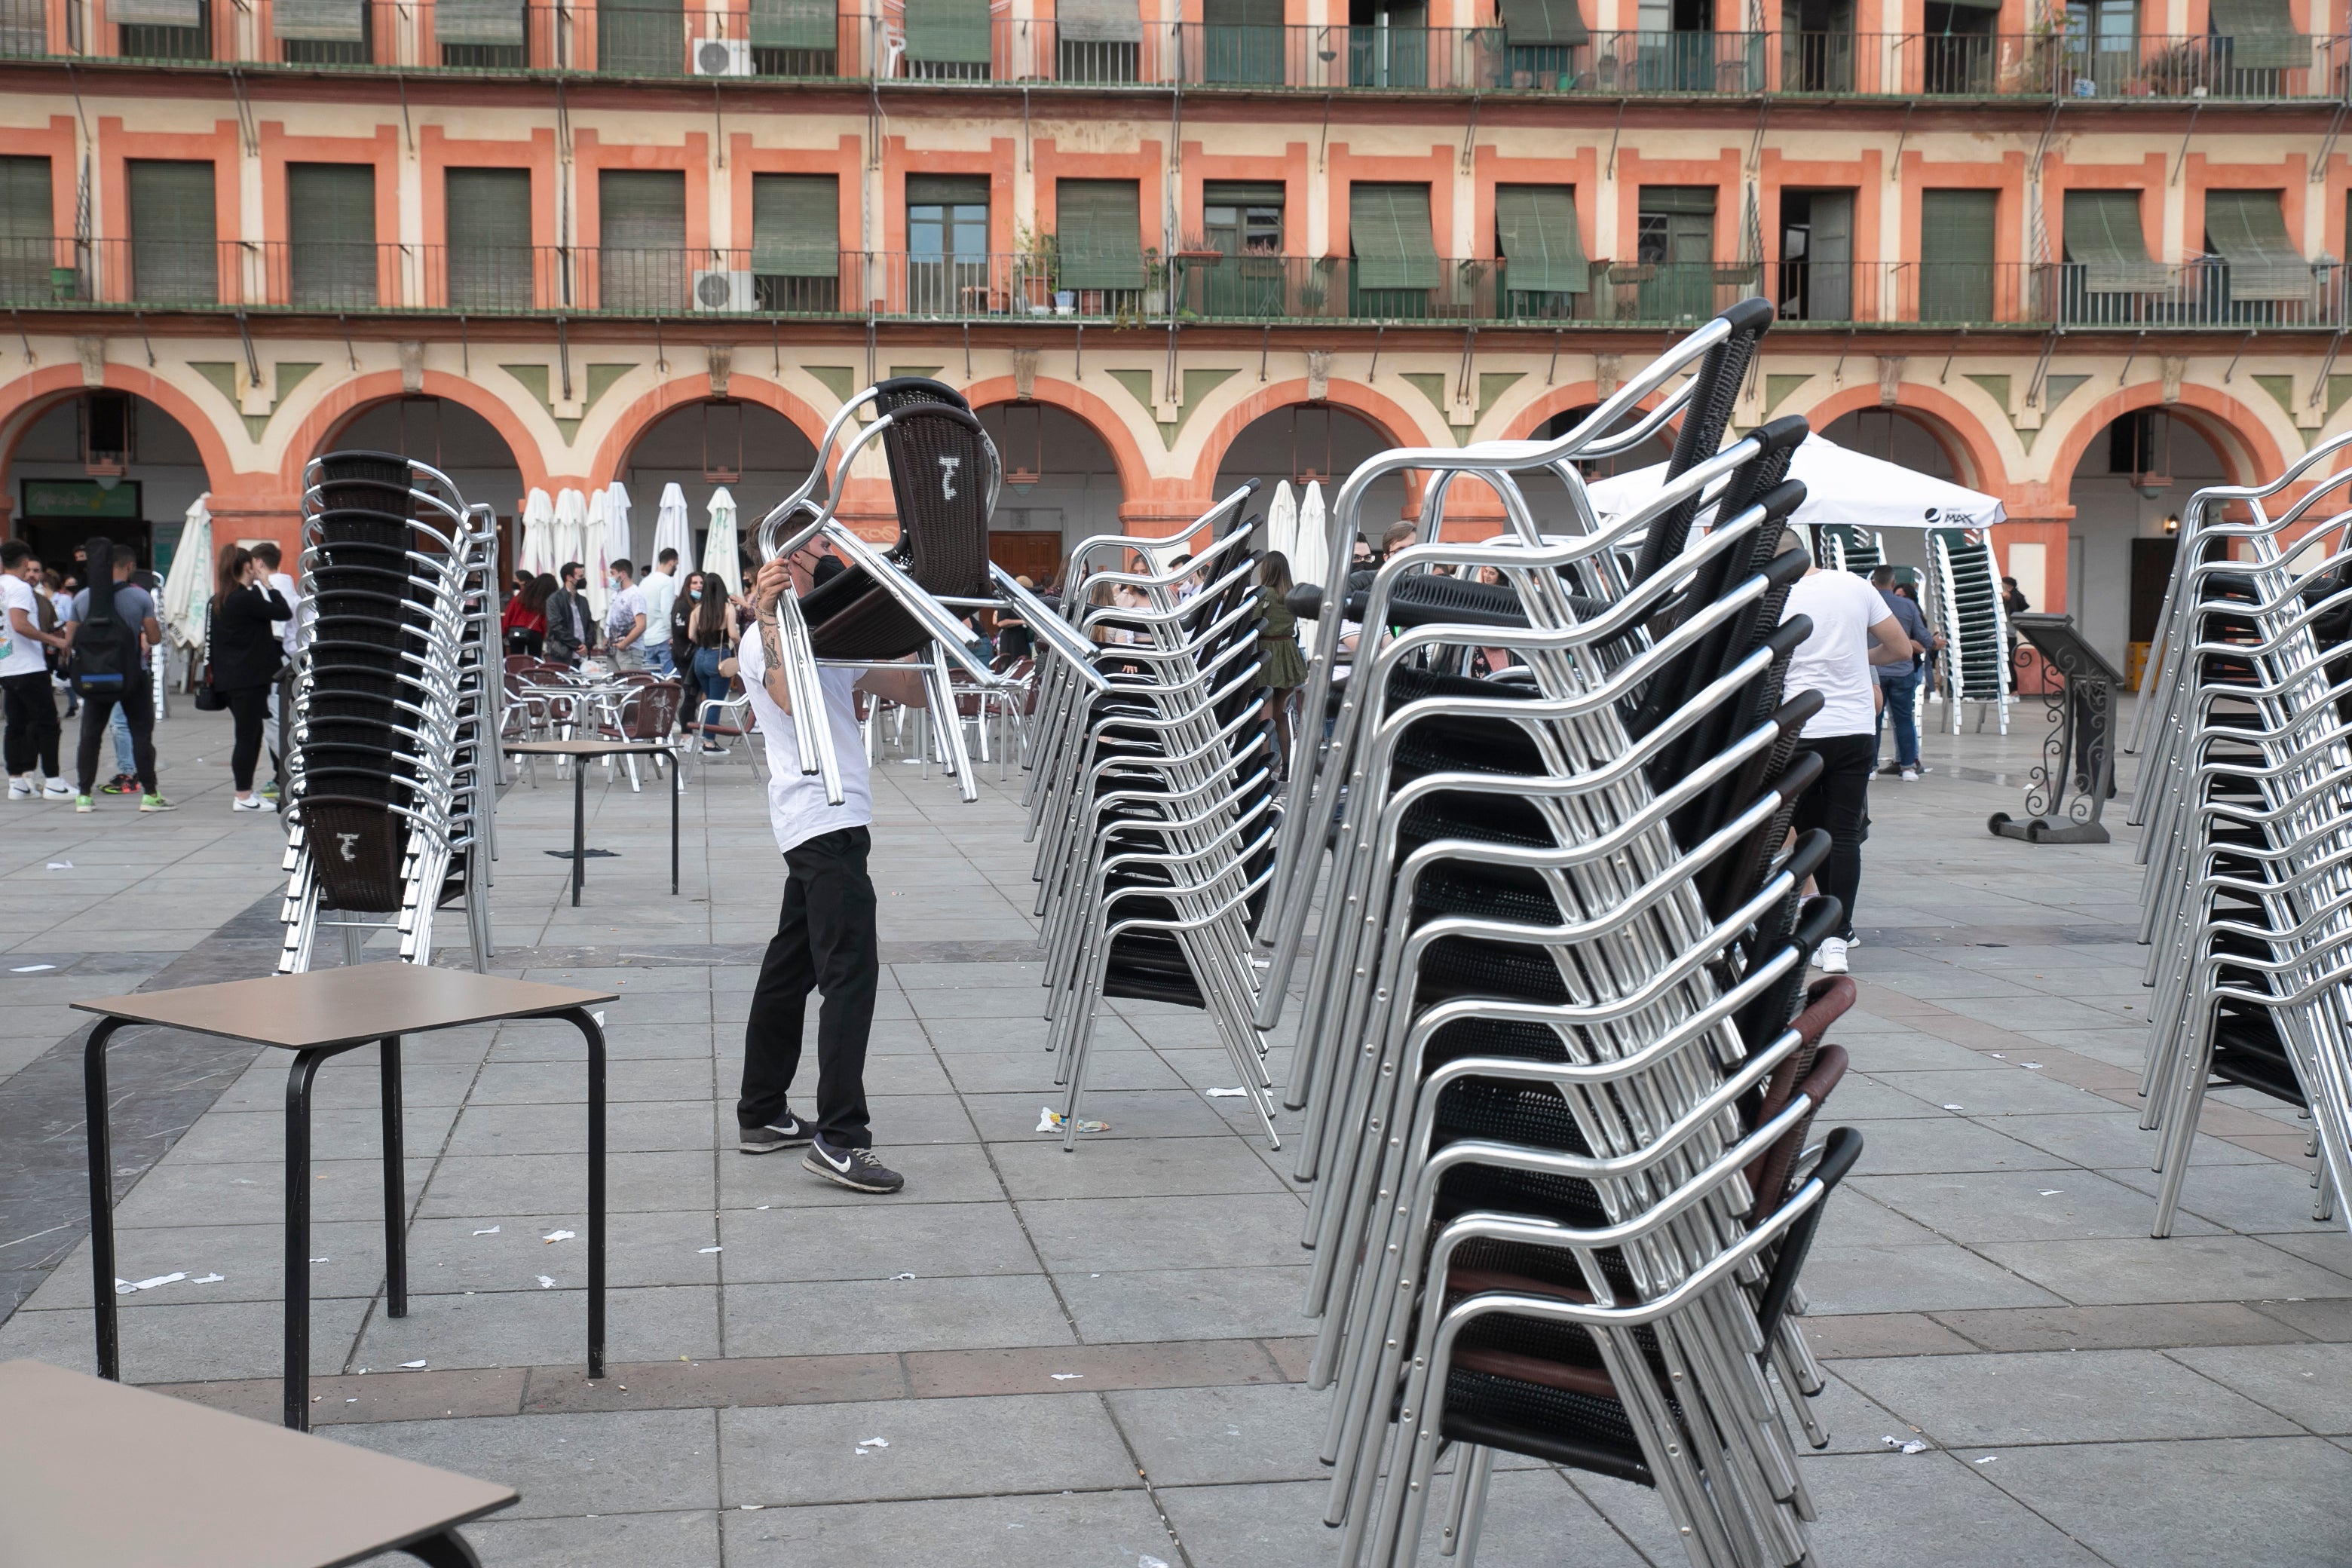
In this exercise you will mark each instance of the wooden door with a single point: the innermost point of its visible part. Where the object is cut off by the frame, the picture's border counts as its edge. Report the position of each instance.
(1034, 553)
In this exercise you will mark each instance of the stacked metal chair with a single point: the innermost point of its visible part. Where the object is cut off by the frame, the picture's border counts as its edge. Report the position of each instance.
(1964, 597)
(944, 477)
(1841, 547)
(1559, 1061)
(1153, 801)
(392, 742)
(2246, 803)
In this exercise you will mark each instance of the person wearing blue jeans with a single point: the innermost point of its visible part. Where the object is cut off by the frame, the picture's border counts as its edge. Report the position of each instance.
(710, 631)
(1898, 683)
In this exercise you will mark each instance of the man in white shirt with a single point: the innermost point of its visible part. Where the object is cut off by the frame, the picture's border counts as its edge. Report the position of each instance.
(266, 551)
(624, 621)
(1852, 630)
(824, 937)
(660, 592)
(31, 722)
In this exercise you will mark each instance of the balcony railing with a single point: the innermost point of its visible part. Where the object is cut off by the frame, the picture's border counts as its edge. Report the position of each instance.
(2203, 294)
(730, 40)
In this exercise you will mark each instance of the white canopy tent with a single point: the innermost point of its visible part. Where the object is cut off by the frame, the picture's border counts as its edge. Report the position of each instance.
(596, 550)
(719, 550)
(673, 527)
(188, 587)
(536, 553)
(1282, 523)
(1312, 563)
(1842, 487)
(570, 527)
(620, 537)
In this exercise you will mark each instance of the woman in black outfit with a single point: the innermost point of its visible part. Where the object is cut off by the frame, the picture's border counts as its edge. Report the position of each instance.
(246, 649)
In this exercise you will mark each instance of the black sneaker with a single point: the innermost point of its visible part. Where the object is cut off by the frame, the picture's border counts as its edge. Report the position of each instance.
(854, 1168)
(121, 784)
(768, 1139)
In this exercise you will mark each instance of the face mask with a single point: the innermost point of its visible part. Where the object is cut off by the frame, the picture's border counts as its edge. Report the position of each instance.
(693, 593)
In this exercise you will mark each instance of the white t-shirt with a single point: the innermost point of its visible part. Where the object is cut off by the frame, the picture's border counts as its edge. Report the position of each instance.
(1836, 660)
(660, 592)
(627, 604)
(293, 597)
(797, 809)
(25, 656)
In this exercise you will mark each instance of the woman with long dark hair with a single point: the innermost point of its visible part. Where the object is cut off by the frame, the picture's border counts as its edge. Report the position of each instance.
(1281, 667)
(526, 618)
(712, 630)
(246, 649)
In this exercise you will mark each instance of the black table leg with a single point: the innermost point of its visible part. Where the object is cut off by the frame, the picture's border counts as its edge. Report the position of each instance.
(101, 1196)
(395, 1186)
(579, 825)
(297, 1236)
(677, 787)
(595, 1035)
(446, 1550)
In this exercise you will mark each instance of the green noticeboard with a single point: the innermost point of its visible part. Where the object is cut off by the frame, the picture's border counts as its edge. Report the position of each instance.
(79, 499)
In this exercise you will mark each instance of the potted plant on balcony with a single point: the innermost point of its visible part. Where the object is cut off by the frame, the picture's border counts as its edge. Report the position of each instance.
(1038, 259)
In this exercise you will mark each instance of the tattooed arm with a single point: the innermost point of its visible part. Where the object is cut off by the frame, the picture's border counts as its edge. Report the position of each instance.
(769, 585)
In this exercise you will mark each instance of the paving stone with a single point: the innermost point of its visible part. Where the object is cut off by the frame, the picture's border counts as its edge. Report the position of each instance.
(1533, 1520)
(1182, 1304)
(1066, 1530)
(2178, 1268)
(874, 1242)
(2065, 1397)
(678, 1539)
(2171, 1505)
(938, 1447)
(2140, 1326)
(2304, 1383)
(1103, 1235)
(624, 1463)
(831, 1318)
(1986, 1206)
(195, 1341)
(524, 1327)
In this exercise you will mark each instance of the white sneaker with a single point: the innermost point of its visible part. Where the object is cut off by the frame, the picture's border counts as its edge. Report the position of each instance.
(1910, 775)
(58, 790)
(21, 789)
(1829, 957)
(250, 803)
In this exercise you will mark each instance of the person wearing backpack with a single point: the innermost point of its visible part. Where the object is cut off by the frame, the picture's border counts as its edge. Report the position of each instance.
(111, 628)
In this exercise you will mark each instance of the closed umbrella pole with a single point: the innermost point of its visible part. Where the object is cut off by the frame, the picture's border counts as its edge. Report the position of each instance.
(718, 552)
(537, 553)
(597, 551)
(673, 527)
(1313, 565)
(570, 527)
(188, 587)
(618, 529)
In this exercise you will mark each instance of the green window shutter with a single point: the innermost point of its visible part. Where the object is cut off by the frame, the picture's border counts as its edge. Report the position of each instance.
(2102, 235)
(1388, 226)
(2261, 35)
(156, 13)
(1539, 22)
(796, 225)
(947, 190)
(1099, 233)
(2249, 230)
(795, 25)
(1243, 194)
(1535, 228)
(641, 209)
(331, 234)
(1956, 249)
(324, 21)
(1098, 21)
(1678, 199)
(24, 209)
(948, 32)
(495, 23)
(175, 259)
(486, 216)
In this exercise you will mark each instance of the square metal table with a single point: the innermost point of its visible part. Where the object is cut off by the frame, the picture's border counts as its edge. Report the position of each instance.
(316, 1015)
(580, 749)
(95, 1473)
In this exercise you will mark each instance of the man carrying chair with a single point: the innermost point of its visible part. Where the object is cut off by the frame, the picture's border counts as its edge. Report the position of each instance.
(824, 937)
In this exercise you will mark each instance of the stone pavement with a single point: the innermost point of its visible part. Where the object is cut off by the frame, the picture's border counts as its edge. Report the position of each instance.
(1092, 1359)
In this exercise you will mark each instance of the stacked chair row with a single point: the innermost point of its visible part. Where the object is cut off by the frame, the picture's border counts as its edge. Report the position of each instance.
(910, 600)
(1559, 1061)
(1964, 594)
(2246, 804)
(1152, 792)
(391, 745)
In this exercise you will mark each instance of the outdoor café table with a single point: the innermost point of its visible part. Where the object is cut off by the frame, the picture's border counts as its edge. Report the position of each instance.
(95, 1475)
(316, 1015)
(580, 749)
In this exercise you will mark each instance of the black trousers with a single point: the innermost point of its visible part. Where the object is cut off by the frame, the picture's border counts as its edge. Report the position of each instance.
(1839, 802)
(824, 941)
(98, 712)
(249, 707)
(32, 723)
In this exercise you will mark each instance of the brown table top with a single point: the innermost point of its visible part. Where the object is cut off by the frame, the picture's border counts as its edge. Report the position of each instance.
(93, 1472)
(340, 1006)
(583, 747)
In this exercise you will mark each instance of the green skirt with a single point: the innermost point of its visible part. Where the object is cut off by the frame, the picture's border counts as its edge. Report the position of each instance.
(1280, 663)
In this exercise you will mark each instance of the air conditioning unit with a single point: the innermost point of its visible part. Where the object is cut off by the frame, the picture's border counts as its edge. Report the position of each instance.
(722, 56)
(720, 290)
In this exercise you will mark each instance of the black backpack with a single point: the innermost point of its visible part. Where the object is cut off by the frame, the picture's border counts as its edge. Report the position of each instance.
(105, 661)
